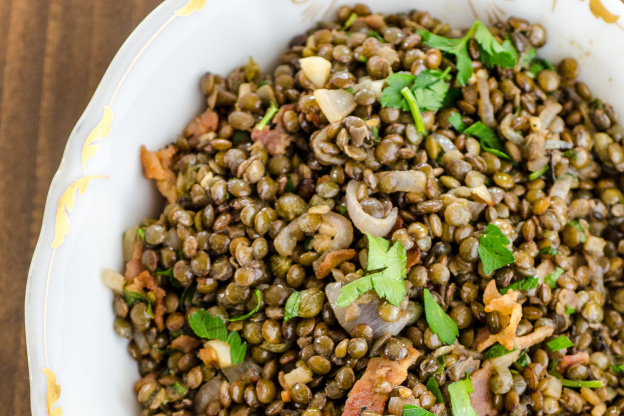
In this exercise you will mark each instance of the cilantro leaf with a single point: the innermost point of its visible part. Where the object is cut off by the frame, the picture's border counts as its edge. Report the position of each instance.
(433, 387)
(549, 251)
(560, 343)
(523, 360)
(524, 284)
(498, 350)
(456, 47)
(577, 224)
(492, 250)
(375, 131)
(251, 312)
(618, 369)
(492, 52)
(569, 310)
(273, 109)
(457, 122)
(141, 232)
(488, 138)
(534, 175)
(372, 34)
(528, 57)
(207, 326)
(551, 279)
(440, 323)
(460, 398)
(291, 309)
(351, 291)
(388, 267)
(179, 388)
(430, 89)
(391, 95)
(133, 297)
(237, 348)
(411, 410)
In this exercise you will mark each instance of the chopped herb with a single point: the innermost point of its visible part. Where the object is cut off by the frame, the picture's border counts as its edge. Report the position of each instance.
(273, 109)
(207, 326)
(618, 369)
(411, 410)
(492, 52)
(375, 133)
(571, 154)
(524, 284)
(262, 84)
(180, 253)
(523, 360)
(413, 106)
(133, 297)
(492, 250)
(440, 323)
(427, 91)
(433, 387)
(342, 209)
(590, 384)
(187, 296)
(488, 139)
(549, 251)
(387, 268)
(560, 343)
(350, 21)
(362, 59)
(175, 334)
(350, 90)
(141, 232)
(537, 65)
(237, 348)
(307, 244)
(372, 34)
(497, 350)
(457, 122)
(168, 272)
(528, 57)
(569, 310)
(179, 388)
(460, 398)
(254, 310)
(535, 175)
(551, 279)
(576, 224)
(291, 308)
(289, 184)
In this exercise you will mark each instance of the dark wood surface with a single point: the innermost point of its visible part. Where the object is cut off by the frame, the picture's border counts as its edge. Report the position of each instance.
(53, 54)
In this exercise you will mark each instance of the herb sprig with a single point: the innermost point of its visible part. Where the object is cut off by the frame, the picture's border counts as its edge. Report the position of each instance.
(440, 323)
(492, 249)
(213, 327)
(387, 272)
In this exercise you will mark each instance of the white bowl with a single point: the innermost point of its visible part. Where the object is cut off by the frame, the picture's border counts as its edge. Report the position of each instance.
(146, 97)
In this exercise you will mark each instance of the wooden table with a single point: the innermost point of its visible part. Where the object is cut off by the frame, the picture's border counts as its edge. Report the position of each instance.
(53, 54)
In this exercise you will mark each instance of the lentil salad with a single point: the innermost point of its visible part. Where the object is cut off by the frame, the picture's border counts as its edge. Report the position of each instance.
(402, 218)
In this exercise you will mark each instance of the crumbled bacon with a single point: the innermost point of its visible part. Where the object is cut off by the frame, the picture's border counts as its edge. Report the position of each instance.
(157, 165)
(570, 360)
(206, 122)
(146, 280)
(511, 311)
(332, 260)
(277, 139)
(482, 398)
(364, 395)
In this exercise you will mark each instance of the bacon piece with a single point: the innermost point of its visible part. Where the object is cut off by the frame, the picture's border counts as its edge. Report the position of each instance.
(277, 139)
(157, 166)
(363, 395)
(507, 305)
(332, 260)
(482, 399)
(146, 280)
(152, 165)
(570, 360)
(184, 343)
(206, 122)
(134, 266)
(535, 337)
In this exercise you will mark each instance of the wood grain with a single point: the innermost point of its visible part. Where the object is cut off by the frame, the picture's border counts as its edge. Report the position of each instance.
(53, 54)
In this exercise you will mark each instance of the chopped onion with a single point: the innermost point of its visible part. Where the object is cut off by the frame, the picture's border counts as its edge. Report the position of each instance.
(406, 180)
(222, 350)
(114, 281)
(209, 392)
(377, 227)
(486, 110)
(504, 361)
(234, 372)
(335, 104)
(548, 114)
(445, 143)
(286, 240)
(553, 144)
(462, 367)
(340, 229)
(244, 89)
(369, 314)
(508, 132)
(316, 69)
(298, 375)
(561, 187)
(481, 194)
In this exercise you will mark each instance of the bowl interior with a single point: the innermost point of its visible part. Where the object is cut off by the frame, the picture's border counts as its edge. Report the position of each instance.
(153, 104)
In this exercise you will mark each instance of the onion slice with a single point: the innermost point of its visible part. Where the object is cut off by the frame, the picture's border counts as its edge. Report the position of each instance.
(561, 187)
(377, 227)
(316, 69)
(335, 104)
